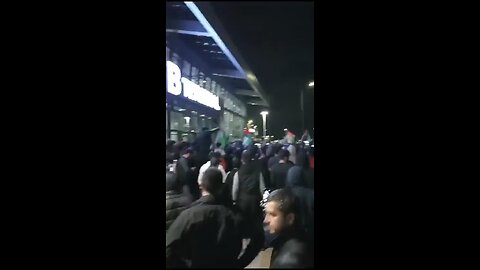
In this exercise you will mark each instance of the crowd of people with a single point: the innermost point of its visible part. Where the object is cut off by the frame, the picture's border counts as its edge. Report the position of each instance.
(226, 203)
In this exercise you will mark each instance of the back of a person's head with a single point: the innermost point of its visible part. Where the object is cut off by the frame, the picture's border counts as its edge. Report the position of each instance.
(301, 159)
(253, 150)
(236, 162)
(172, 183)
(277, 148)
(215, 159)
(283, 154)
(218, 145)
(296, 177)
(246, 156)
(212, 181)
(170, 144)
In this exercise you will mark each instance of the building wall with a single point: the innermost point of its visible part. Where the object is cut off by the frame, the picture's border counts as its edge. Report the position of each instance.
(231, 118)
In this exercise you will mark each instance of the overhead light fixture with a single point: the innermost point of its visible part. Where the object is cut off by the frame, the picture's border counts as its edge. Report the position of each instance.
(202, 115)
(310, 84)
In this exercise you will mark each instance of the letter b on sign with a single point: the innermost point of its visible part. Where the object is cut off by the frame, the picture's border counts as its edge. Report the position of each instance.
(174, 85)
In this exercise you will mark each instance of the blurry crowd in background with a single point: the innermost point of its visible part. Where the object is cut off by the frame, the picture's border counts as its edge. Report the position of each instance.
(227, 201)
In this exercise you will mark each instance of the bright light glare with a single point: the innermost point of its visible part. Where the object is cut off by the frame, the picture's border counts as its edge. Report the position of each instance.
(310, 84)
(264, 113)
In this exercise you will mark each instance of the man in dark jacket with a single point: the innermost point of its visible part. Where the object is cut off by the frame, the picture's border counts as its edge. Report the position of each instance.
(248, 187)
(278, 174)
(186, 174)
(274, 159)
(290, 247)
(305, 196)
(202, 145)
(207, 235)
(247, 190)
(227, 187)
(176, 201)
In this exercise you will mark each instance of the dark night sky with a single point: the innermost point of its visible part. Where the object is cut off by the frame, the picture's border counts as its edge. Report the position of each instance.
(276, 39)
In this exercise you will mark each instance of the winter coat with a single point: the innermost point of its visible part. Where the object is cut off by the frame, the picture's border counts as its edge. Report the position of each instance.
(278, 175)
(272, 161)
(187, 176)
(176, 202)
(206, 235)
(249, 193)
(296, 181)
(290, 250)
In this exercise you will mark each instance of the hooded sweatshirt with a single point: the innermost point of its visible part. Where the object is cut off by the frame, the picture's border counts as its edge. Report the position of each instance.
(296, 181)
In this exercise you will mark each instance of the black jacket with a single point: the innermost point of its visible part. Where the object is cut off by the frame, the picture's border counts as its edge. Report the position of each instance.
(272, 161)
(296, 181)
(187, 176)
(278, 175)
(206, 235)
(249, 195)
(227, 187)
(176, 202)
(290, 250)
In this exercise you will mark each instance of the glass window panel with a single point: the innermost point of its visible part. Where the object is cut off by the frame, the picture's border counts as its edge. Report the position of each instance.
(194, 75)
(177, 121)
(208, 85)
(186, 69)
(201, 78)
(176, 59)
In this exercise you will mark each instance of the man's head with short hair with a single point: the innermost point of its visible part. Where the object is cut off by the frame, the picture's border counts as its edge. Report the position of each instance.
(246, 156)
(281, 211)
(212, 181)
(236, 162)
(215, 159)
(283, 154)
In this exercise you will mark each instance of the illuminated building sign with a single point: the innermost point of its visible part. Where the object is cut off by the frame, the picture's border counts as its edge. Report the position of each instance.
(176, 83)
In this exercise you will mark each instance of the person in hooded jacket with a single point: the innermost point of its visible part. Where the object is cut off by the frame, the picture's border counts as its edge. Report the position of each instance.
(278, 173)
(227, 188)
(303, 162)
(247, 190)
(176, 200)
(274, 159)
(305, 197)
